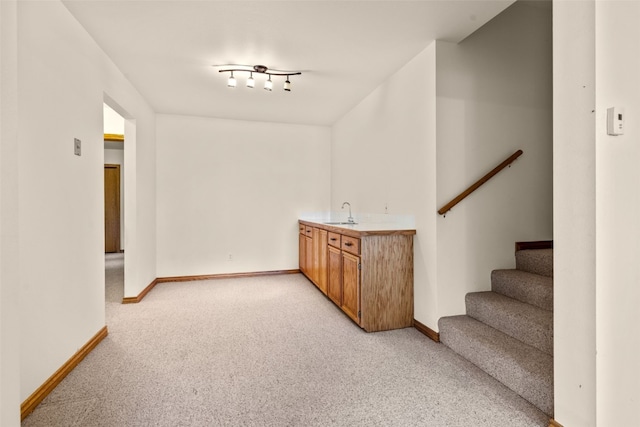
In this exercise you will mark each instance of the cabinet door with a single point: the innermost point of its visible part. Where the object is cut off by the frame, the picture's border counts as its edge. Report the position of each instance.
(334, 279)
(351, 286)
(302, 253)
(320, 260)
(308, 256)
(315, 236)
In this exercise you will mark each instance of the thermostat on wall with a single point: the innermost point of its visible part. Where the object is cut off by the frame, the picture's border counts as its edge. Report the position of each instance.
(615, 121)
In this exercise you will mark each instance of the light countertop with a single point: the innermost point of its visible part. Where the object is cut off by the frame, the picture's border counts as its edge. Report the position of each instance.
(365, 224)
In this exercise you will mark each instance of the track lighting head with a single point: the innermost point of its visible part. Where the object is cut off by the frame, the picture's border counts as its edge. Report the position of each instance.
(232, 81)
(268, 85)
(251, 82)
(287, 85)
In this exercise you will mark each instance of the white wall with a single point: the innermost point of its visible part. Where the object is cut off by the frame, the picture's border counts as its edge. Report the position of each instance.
(63, 80)
(9, 220)
(617, 212)
(435, 127)
(113, 122)
(596, 214)
(493, 98)
(383, 153)
(115, 156)
(574, 213)
(235, 187)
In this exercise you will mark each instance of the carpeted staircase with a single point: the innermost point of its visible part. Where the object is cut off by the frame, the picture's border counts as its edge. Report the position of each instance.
(508, 332)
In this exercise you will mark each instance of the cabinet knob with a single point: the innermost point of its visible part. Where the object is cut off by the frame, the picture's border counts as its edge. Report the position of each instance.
(348, 244)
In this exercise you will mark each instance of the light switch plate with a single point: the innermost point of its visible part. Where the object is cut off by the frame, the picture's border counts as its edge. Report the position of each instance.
(77, 147)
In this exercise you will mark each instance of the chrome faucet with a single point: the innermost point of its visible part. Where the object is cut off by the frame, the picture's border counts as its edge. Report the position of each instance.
(350, 219)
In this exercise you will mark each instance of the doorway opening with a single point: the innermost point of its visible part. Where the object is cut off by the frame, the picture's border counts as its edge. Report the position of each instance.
(114, 164)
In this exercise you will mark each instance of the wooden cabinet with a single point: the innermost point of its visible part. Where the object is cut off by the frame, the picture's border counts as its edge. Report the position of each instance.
(308, 250)
(334, 279)
(305, 250)
(302, 253)
(351, 286)
(335, 239)
(350, 244)
(368, 274)
(302, 249)
(344, 274)
(312, 256)
(320, 259)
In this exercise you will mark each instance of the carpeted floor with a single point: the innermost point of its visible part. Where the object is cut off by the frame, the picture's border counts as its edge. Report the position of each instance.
(267, 351)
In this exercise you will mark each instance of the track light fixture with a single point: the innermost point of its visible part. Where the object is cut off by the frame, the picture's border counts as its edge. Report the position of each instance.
(260, 69)
(232, 81)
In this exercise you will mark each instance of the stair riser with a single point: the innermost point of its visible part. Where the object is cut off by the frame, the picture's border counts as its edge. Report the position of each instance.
(529, 288)
(527, 324)
(536, 387)
(538, 261)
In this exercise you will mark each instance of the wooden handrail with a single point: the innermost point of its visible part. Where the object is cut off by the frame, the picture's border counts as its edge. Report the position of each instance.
(446, 208)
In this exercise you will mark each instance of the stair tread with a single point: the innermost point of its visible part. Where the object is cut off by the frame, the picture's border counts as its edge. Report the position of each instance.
(523, 286)
(525, 322)
(521, 367)
(538, 261)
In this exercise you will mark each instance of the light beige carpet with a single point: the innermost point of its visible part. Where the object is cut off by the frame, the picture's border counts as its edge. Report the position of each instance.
(268, 351)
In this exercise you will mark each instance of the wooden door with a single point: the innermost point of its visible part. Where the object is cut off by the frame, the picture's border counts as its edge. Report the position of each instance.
(334, 277)
(112, 208)
(351, 286)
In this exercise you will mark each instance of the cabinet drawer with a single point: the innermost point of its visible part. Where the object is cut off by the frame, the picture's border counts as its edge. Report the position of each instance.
(308, 230)
(334, 239)
(350, 244)
(302, 228)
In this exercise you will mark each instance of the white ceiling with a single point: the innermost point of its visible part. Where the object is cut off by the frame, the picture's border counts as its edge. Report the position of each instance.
(345, 49)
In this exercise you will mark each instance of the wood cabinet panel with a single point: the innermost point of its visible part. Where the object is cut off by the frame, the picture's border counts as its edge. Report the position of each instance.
(351, 245)
(334, 279)
(312, 255)
(387, 298)
(351, 286)
(308, 255)
(314, 258)
(302, 253)
(320, 239)
(335, 239)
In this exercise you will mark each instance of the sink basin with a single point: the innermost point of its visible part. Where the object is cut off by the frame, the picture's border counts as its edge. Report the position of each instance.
(340, 223)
